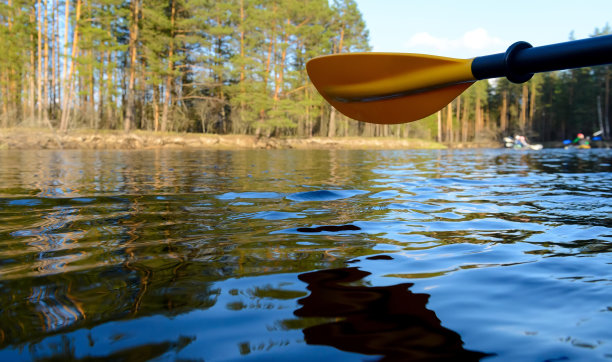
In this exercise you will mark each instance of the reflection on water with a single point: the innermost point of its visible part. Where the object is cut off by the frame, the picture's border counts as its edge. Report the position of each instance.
(66, 351)
(332, 228)
(389, 321)
(207, 254)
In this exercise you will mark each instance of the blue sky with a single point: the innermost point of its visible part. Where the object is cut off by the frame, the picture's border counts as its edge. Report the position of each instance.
(469, 28)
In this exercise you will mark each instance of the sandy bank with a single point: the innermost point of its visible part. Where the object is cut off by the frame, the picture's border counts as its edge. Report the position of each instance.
(27, 138)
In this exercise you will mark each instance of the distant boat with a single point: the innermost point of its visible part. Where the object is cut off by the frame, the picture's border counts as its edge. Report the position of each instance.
(578, 147)
(582, 143)
(510, 143)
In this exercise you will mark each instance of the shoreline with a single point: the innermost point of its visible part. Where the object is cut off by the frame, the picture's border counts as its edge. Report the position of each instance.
(40, 139)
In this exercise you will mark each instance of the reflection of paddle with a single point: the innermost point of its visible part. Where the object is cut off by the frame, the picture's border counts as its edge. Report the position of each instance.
(390, 88)
(388, 321)
(332, 228)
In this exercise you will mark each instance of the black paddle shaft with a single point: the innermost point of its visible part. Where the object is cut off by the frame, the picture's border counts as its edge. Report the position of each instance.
(521, 60)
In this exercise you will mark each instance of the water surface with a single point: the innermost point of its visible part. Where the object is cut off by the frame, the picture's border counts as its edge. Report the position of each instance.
(286, 254)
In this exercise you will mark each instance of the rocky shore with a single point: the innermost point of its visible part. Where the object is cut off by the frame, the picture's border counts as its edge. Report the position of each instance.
(27, 138)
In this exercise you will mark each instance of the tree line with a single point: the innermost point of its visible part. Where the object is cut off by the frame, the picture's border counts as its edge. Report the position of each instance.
(238, 67)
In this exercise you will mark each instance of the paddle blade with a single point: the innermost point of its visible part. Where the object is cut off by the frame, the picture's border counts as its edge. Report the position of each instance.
(402, 109)
(389, 88)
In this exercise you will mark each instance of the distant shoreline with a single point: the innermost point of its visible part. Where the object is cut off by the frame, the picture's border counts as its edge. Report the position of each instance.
(37, 138)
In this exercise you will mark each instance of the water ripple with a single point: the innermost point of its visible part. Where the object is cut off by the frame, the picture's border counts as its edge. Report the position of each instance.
(222, 255)
(324, 195)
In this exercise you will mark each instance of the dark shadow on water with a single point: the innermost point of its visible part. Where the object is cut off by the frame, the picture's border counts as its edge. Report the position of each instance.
(331, 228)
(389, 321)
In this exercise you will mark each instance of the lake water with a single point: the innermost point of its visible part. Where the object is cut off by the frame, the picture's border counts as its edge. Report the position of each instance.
(296, 255)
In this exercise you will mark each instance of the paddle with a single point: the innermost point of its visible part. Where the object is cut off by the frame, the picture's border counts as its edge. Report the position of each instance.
(391, 88)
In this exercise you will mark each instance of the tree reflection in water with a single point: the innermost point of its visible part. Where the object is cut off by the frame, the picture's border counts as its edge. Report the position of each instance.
(389, 321)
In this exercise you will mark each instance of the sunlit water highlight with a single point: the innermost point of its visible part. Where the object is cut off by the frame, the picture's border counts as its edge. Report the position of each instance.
(285, 254)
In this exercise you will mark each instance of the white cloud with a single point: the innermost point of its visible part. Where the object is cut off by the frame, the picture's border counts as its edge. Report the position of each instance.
(479, 39)
(471, 43)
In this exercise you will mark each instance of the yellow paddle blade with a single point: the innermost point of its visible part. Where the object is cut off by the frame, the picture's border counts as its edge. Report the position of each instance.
(389, 88)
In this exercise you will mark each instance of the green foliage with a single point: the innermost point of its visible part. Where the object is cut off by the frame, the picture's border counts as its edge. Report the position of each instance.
(238, 66)
(204, 65)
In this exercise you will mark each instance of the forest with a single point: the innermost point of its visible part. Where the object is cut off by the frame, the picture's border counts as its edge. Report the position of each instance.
(238, 67)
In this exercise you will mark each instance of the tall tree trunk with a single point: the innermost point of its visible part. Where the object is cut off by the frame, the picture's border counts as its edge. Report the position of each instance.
(458, 117)
(341, 42)
(478, 124)
(69, 76)
(503, 117)
(81, 89)
(608, 130)
(599, 113)
(271, 51)
(439, 138)
(322, 122)
(532, 103)
(550, 127)
(7, 93)
(66, 33)
(279, 74)
(308, 119)
(142, 119)
(167, 99)
(331, 130)
(101, 95)
(129, 111)
(242, 65)
(220, 80)
(45, 69)
(54, 42)
(4, 99)
(39, 71)
(91, 108)
(155, 108)
(523, 116)
(64, 88)
(110, 110)
(31, 77)
(464, 124)
(449, 122)
(108, 94)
